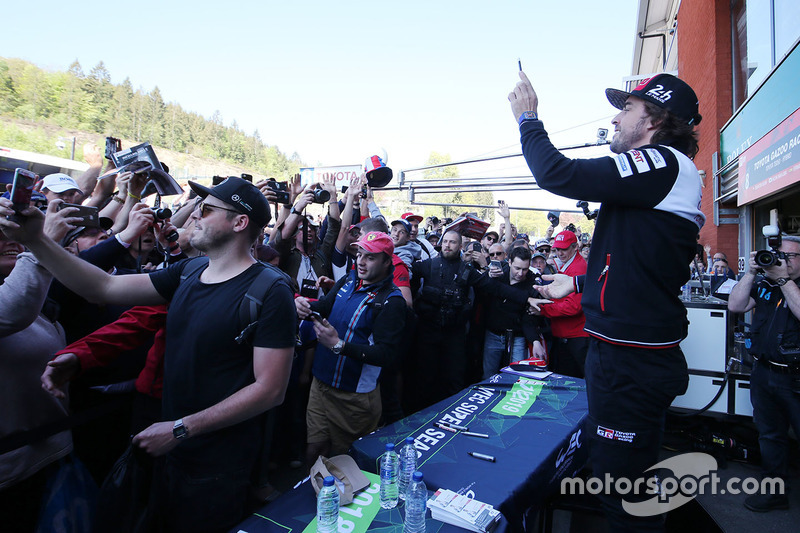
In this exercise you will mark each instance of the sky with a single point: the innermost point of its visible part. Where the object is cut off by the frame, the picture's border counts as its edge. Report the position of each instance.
(337, 82)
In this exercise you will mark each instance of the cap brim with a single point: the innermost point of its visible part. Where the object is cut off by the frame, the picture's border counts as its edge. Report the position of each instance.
(200, 190)
(414, 217)
(617, 98)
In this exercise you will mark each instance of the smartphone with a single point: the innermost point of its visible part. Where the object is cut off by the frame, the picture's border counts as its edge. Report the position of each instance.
(216, 180)
(308, 289)
(315, 316)
(22, 188)
(495, 264)
(89, 215)
(247, 177)
(477, 247)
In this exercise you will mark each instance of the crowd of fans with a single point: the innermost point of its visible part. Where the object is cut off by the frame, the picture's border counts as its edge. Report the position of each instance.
(443, 311)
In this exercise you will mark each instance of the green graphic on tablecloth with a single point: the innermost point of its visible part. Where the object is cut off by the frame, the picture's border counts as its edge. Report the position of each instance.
(357, 516)
(520, 398)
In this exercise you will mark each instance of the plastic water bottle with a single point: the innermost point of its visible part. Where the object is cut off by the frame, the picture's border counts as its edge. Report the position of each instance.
(390, 465)
(416, 505)
(328, 507)
(687, 292)
(408, 465)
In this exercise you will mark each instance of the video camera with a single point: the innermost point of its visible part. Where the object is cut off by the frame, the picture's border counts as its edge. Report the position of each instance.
(583, 204)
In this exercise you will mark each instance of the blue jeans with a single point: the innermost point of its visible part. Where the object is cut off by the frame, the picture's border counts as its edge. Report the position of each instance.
(495, 346)
(776, 404)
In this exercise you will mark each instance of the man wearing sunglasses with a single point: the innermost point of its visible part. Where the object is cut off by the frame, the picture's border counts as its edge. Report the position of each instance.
(214, 388)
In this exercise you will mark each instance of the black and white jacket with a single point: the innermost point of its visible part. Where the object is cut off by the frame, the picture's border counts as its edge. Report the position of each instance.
(644, 239)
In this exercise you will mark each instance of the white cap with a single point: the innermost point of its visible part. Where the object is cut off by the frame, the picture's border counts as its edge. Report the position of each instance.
(59, 183)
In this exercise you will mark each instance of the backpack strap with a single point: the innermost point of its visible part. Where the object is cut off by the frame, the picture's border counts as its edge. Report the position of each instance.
(192, 267)
(250, 306)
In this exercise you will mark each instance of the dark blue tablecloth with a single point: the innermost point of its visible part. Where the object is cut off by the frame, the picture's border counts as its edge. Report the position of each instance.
(534, 434)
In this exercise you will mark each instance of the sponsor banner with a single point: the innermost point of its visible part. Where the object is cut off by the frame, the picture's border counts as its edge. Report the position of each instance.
(772, 163)
(520, 399)
(342, 174)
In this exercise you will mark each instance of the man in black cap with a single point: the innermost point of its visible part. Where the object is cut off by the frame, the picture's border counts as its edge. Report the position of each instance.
(643, 242)
(214, 387)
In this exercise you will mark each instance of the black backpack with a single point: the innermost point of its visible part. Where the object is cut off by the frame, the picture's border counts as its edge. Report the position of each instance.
(250, 306)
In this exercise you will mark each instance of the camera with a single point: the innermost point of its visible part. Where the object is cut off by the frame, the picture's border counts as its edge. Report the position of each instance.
(281, 189)
(162, 214)
(602, 135)
(113, 145)
(321, 196)
(583, 204)
(571, 227)
(552, 216)
(768, 258)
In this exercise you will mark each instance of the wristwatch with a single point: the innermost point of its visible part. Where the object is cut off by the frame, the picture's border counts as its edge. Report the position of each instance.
(179, 431)
(337, 348)
(781, 281)
(527, 115)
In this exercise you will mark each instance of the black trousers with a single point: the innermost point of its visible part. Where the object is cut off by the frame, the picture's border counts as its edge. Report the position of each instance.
(629, 391)
(439, 367)
(569, 356)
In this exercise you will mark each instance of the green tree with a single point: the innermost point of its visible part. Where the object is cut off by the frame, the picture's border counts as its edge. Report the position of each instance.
(8, 94)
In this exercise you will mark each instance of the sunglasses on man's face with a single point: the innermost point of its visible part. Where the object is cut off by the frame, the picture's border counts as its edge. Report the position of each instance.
(495, 254)
(206, 208)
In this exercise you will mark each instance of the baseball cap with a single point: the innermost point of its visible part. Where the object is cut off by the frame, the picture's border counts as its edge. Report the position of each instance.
(541, 243)
(565, 239)
(406, 225)
(411, 217)
(241, 195)
(538, 254)
(665, 91)
(376, 242)
(59, 182)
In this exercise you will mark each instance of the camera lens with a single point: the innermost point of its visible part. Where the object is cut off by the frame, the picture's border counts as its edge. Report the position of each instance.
(765, 258)
(321, 196)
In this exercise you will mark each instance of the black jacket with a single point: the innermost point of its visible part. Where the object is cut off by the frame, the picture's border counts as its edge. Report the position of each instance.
(644, 238)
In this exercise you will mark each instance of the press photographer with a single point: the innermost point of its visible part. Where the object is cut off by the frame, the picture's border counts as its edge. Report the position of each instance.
(770, 288)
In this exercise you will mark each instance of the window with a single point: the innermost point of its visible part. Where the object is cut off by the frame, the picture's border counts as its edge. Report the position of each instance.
(762, 31)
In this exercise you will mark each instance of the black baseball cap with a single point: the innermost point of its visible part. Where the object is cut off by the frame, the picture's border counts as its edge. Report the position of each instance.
(241, 195)
(665, 91)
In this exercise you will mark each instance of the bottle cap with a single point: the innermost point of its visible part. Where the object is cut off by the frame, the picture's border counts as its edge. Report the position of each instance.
(328, 481)
(389, 446)
(417, 476)
(409, 440)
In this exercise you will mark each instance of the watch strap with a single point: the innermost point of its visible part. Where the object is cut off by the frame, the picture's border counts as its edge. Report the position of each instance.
(527, 115)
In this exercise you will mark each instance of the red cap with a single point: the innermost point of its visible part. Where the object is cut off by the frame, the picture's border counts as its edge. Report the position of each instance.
(411, 217)
(376, 242)
(565, 239)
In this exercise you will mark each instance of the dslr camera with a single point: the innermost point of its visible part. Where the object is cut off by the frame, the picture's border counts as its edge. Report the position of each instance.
(321, 195)
(768, 258)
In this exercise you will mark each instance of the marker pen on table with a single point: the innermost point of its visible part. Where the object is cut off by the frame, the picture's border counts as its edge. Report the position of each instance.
(470, 434)
(446, 428)
(482, 456)
(456, 426)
